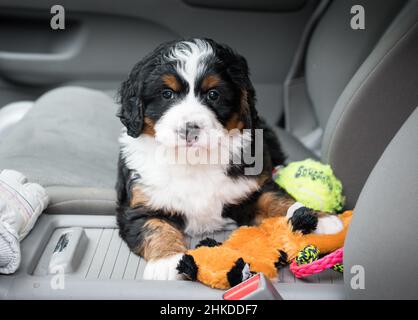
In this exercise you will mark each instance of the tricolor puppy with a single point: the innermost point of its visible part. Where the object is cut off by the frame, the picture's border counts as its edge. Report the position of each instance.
(189, 112)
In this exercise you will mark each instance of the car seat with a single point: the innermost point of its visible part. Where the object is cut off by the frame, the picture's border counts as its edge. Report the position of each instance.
(361, 88)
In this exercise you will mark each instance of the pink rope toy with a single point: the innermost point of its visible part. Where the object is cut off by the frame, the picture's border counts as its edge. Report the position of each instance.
(317, 266)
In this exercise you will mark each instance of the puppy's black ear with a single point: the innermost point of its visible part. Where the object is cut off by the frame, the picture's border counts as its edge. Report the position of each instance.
(239, 74)
(248, 99)
(249, 112)
(131, 112)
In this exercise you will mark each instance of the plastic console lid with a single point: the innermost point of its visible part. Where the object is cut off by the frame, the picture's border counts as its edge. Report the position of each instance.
(68, 251)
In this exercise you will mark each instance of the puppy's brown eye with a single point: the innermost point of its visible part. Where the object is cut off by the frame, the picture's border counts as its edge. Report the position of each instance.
(167, 94)
(213, 95)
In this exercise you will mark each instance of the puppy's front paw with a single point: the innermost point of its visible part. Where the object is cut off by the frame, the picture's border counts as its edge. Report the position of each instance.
(163, 269)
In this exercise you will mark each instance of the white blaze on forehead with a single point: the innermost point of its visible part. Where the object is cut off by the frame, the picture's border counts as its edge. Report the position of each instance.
(190, 56)
(190, 59)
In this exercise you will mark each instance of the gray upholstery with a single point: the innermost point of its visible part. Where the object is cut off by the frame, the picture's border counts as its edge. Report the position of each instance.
(336, 51)
(374, 105)
(383, 235)
(78, 149)
(73, 154)
(293, 148)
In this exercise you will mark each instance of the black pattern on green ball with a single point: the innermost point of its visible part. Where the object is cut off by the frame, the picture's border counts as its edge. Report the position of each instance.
(308, 255)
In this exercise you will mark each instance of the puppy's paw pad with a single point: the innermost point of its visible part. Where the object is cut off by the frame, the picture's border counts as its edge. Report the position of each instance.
(163, 269)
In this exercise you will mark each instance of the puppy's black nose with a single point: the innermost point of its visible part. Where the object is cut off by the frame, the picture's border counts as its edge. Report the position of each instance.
(189, 132)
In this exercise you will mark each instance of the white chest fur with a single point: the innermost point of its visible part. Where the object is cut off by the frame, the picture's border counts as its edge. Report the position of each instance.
(199, 192)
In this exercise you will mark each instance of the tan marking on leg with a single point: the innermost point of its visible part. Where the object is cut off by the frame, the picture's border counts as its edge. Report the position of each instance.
(161, 240)
(269, 204)
(263, 177)
(138, 197)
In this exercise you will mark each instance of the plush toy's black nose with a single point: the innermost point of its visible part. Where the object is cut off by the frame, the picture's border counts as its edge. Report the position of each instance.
(190, 132)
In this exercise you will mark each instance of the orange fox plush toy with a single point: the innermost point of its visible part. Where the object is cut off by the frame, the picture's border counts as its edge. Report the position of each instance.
(264, 248)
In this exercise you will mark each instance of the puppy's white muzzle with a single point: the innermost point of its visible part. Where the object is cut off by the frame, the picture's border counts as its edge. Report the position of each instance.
(188, 124)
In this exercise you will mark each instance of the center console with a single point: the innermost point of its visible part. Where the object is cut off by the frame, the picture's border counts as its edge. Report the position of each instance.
(83, 257)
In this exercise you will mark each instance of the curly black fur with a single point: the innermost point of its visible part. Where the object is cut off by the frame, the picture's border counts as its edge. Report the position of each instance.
(208, 242)
(282, 261)
(187, 266)
(304, 220)
(234, 275)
